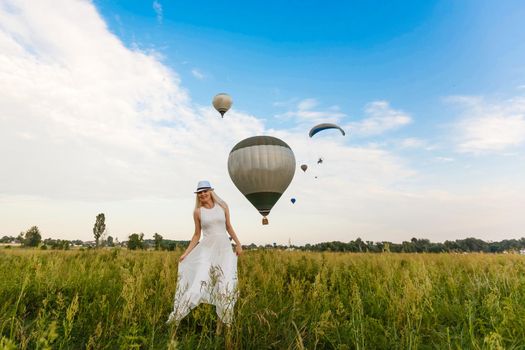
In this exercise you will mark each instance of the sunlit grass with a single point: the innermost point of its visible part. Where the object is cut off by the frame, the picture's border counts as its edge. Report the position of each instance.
(116, 299)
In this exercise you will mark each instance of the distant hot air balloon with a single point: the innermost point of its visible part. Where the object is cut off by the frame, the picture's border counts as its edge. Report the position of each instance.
(222, 103)
(292, 200)
(304, 167)
(325, 126)
(262, 167)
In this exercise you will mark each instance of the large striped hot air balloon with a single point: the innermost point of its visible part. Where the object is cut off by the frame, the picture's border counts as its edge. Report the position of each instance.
(262, 167)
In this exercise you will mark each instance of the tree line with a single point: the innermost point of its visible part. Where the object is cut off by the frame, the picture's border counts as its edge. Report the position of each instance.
(418, 245)
(33, 238)
(136, 241)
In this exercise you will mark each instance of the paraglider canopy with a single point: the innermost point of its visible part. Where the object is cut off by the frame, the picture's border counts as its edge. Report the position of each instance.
(304, 167)
(325, 126)
(222, 103)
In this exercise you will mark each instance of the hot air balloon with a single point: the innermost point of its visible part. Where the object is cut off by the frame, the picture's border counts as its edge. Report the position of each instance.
(222, 103)
(325, 126)
(262, 167)
(304, 167)
(292, 200)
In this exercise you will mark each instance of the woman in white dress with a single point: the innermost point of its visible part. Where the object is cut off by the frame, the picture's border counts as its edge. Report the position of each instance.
(208, 268)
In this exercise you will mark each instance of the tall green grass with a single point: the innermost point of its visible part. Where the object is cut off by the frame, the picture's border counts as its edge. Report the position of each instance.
(288, 300)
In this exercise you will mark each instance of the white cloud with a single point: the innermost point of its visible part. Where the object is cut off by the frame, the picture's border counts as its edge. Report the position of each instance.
(444, 159)
(157, 7)
(305, 111)
(287, 103)
(198, 74)
(490, 127)
(307, 104)
(380, 118)
(85, 117)
(412, 142)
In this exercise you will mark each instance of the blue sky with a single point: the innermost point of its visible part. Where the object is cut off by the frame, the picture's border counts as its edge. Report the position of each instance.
(432, 95)
(411, 53)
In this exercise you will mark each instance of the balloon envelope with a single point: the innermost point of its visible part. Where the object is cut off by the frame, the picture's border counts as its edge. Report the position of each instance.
(292, 200)
(325, 126)
(222, 103)
(261, 167)
(304, 167)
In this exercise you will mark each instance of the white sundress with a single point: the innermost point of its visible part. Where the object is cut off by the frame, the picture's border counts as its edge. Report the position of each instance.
(208, 274)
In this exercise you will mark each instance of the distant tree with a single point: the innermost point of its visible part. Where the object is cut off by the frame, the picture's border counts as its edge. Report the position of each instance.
(437, 248)
(77, 242)
(472, 245)
(110, 241)
(158, 241)
(57, 243)
(421, 245)
(100, 227)
(409, 247)
(136, 241)
(360, 244)
(7, 239)
(32, 237)
(451, 246)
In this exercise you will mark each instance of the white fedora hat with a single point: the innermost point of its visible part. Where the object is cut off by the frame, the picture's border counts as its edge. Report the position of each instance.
(203, 186)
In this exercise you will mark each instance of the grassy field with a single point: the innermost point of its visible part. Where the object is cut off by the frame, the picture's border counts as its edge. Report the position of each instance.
(288, 300)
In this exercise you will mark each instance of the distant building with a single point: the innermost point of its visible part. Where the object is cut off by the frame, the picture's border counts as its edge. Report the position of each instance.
(10, 244)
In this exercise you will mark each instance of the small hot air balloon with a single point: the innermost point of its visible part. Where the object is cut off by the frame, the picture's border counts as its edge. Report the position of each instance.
(262, 167)
(292, 200)
(304, 167)
(325, 126)
(222, 103)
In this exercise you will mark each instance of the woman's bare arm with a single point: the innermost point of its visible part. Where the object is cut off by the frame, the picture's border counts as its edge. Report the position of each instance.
(196, 234)
(231, 232)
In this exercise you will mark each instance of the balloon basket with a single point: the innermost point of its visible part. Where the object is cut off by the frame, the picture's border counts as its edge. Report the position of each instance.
(265, 221)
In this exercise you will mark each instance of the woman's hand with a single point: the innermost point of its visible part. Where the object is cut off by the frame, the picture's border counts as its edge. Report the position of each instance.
(182, 257)
(238, 250)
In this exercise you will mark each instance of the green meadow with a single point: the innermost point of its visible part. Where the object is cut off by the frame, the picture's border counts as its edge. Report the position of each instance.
(119, 299)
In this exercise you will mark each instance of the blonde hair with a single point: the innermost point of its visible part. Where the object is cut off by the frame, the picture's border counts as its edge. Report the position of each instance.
(214, 198)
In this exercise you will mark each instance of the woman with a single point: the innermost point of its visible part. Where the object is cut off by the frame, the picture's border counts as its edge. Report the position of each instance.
(208, 269)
